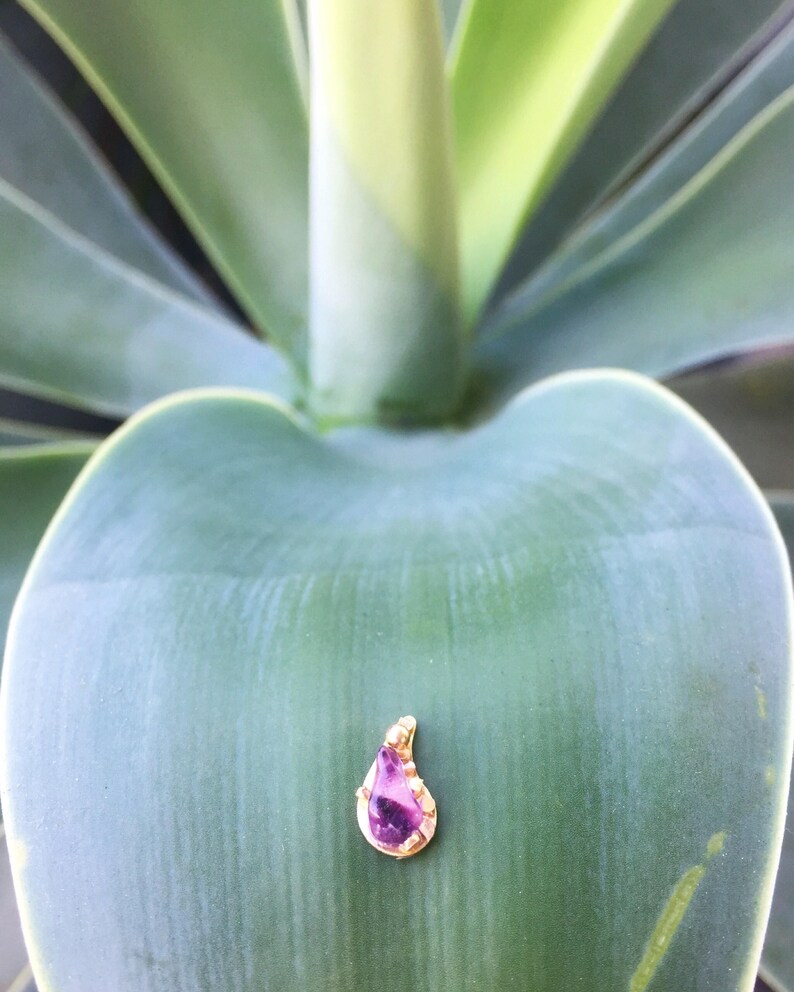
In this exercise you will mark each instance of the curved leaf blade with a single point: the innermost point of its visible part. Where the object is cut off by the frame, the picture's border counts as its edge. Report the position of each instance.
(527, 81)
(700, 47)
(46, 157)
(560, 597)
(78, 326)
(706, 276)
(211, 97)
(765, 79)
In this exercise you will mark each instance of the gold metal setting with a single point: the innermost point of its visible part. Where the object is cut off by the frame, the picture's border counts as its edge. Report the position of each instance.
(400, 738)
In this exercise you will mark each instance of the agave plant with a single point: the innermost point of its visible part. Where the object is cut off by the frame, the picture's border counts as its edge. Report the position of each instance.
(431, 475)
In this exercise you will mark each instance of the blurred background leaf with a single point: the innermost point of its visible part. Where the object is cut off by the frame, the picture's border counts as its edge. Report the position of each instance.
(699, 49)
(707, 275)
(226, 136)
(528, 80)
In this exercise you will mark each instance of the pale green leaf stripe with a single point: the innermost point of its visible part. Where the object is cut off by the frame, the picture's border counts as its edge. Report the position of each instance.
(33, 481)
(80, 327)
(23, 982)
(527, 81)
(586, 583)
(385, 329)
(769, 75)
(708, 275)
(45, 155)
(22, 432)
(210, 95)
(698, 49)
(777, 962)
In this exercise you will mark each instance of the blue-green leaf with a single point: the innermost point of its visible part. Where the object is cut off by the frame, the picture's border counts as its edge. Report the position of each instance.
(698, 50)
(586, 605)
(765, 79)
(707, 275)
(45, 156)
(527, 81)
(78, 326)
(211, 95)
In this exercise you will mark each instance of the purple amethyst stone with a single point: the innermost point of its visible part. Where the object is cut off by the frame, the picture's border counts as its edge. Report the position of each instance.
(394, 814)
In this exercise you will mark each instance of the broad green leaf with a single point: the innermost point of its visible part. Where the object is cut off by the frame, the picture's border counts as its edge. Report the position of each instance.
(210, 95)
(386, 337)
(707, 275)
(44, 155)
(585, 604)
(33, 481)
(700, 47)
(750, 403)
(528, 80)
(777, 963)
(78, 326)
(764, 80)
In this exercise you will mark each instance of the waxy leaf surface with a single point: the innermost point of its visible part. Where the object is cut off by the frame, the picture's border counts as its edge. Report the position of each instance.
(586, 605)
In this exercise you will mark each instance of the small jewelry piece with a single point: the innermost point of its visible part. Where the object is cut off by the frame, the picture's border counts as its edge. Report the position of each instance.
(395, 811)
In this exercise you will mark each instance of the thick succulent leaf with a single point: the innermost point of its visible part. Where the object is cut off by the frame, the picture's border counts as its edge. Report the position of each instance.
(700, 47)
(211, 96)
(750, 403)
(44, 155)
(777, 963)
(765, 79)
(80, 327)
(527, 81)
(33, 481)
(707, 275)
(386, 335)
(560, 597)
